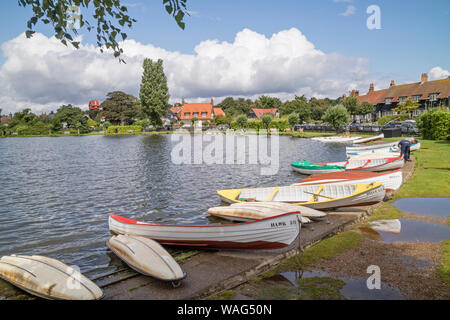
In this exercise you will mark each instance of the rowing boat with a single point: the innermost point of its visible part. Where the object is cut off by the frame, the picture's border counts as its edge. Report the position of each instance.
(313, 196)
(269, 233)
(391, 149)
(368, 139)
(146, 257)
(391, 180)
(377, 164)
(47, 278)
(247, 211)
(336, 139)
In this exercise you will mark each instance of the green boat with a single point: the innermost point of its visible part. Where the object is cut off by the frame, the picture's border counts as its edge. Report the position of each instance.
(306, 167)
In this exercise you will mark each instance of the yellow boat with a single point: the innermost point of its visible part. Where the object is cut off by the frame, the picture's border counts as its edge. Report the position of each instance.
(324, 196)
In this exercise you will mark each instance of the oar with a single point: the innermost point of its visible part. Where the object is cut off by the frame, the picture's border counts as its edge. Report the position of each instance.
(316, 194)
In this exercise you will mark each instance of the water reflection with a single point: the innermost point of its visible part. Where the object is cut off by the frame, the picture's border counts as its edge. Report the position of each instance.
(430, 207)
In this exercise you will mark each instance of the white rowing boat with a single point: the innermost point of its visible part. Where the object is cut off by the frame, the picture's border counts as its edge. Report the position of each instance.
(376, 164)
(391, 149)
(368, 139)
(147, 257)
(313, 196)
(392, 180)
(336, 139)
(47, 278)
(269, 233)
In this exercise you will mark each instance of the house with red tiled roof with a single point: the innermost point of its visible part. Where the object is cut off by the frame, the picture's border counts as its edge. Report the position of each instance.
(201, 111)
(428, 94)
(258, 113)
(218, 112)
(94, 105)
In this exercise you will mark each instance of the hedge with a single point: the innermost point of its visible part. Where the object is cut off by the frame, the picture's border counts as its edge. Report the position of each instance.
(435, 125)
(124, 130)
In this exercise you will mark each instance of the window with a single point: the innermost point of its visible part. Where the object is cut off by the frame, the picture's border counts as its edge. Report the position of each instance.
(388, 100)
(433, 96)
(402, 99)
(416, 98)
(187, 114)
(195, 114)
(204, 114)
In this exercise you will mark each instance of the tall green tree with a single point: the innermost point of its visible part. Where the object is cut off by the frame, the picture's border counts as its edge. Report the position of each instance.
(337, 116)
(266, 102)
(120, 108)
(352, 104)
(109, 17)
(299, 106)
(154, 93)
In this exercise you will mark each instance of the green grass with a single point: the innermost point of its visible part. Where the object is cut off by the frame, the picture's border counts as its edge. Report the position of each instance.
(386, 211)
(444, 270)
(325, 249)
(224, 295)
(431, 177)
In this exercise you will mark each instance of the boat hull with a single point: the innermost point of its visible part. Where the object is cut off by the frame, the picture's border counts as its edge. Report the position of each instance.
(146, 257)
(47, 278)
(270, 233)
(391, 180)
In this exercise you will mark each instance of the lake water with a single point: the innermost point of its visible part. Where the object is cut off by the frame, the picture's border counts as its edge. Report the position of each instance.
(56, 193)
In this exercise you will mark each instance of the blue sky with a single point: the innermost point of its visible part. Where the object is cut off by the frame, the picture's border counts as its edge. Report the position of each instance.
(413, 38)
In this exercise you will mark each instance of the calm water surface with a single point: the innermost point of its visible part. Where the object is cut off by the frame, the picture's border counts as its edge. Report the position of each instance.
(56, 193)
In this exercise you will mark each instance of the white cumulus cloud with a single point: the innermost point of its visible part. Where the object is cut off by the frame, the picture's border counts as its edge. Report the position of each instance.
(42, 74)
(437, 73)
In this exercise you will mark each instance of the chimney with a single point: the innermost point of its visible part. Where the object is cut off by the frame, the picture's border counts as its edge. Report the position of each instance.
(357, 93)
(371, 88)
(424, 78)
(182, 101)
(212, 101)
(392, 83)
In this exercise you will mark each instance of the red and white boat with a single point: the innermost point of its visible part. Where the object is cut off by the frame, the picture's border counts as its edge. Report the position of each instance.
(378, 164)
(269, 233)
(391, 180)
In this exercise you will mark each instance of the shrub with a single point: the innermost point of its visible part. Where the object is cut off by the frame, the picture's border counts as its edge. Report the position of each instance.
(435, 125)
(337, 116)
(124, 129)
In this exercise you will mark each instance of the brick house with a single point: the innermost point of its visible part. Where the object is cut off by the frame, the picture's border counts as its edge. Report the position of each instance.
(428, 94)
(5, 119)
(202, 111)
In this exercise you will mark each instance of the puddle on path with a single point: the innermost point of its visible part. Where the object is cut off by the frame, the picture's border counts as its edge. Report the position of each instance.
(429, 207)
(412, 231)
(287, 286)
(354, 289)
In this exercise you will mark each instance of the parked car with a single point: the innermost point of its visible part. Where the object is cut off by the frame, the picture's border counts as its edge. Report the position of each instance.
(391, 125)
(409, 127)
